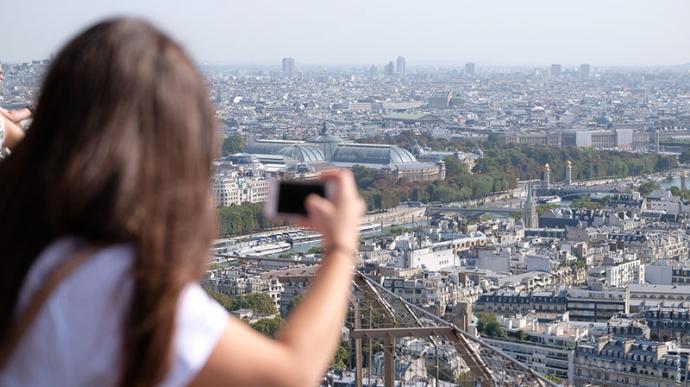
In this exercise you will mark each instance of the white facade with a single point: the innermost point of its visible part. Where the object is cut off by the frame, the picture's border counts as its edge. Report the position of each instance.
(626, 273)
(430, 258)
(235, 190)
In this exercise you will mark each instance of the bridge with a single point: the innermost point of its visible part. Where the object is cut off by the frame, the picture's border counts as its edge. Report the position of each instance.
(473, 211)
(571, 191)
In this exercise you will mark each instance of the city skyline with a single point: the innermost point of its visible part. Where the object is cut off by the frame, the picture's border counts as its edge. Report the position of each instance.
(615, 33)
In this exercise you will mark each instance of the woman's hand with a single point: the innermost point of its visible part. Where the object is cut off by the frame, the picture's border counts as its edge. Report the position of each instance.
(337, 219)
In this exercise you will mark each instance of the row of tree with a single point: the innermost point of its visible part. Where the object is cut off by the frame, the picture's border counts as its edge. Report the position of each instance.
(260, 303)
(244, 219)
(499, 170)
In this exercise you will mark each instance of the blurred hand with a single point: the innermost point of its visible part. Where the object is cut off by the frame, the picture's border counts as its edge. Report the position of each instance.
(337, 219)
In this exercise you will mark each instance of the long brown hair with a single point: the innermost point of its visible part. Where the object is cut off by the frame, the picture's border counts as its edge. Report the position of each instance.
(119, 151)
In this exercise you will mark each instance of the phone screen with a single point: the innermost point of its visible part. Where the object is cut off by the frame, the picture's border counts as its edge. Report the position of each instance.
(291, 196)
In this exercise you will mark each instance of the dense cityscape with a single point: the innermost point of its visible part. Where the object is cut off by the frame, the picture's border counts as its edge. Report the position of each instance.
(542, 211)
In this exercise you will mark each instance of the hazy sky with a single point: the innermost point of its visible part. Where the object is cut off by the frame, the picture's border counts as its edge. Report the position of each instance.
(601, 32)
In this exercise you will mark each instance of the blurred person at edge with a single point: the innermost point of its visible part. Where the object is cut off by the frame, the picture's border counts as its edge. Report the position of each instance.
(11, 132)
(120, 217)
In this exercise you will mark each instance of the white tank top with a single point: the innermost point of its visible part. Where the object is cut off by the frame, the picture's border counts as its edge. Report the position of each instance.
(75, 339)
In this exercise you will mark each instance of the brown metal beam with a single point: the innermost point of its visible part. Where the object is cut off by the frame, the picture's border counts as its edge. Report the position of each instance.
(388, 361)
(358, 346)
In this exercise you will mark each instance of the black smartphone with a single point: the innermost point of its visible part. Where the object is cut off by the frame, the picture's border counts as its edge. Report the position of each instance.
(286, 198)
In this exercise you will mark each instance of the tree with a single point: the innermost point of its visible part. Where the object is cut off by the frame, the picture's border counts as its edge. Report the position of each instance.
(314, 250)
(498, 170)
(258, 302)
(465, 379)
(520, 335)
(342, 357)
(545, 207)
(647, 187)
(248, 217)
(487, 325)
(232, 144)
(268, 326)
(553, 378)
(585, 202)
(223, 299)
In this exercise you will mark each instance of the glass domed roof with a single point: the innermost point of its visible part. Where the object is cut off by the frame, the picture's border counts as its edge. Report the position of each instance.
(303, 152)
(266, 147)
(372, 154)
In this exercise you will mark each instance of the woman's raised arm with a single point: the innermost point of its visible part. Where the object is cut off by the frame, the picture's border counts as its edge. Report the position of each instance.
(307, 342)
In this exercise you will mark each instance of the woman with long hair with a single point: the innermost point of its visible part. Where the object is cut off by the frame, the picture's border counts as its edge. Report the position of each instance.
(107, 223)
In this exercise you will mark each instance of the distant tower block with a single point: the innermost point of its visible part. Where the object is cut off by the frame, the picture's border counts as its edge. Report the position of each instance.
(683, 180)
(656, 139)
(555, 70)
(469, 68)
(568, 173)
(546, 183)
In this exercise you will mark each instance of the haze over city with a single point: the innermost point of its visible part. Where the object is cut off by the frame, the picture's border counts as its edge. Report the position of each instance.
(508, 179)
(532, 32)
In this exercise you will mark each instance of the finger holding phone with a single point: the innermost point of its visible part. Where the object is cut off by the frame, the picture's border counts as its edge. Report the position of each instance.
(330, 206)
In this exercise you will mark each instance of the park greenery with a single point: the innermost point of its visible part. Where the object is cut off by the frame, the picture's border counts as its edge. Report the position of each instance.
(676, 191)
(498, 170)
(259, 303)
(233, 143)
(268, 326)
(263, 304)
(542, 208)
(488, 326)
(585, 202)
(341, 359)
(647, 187)
(248, 217)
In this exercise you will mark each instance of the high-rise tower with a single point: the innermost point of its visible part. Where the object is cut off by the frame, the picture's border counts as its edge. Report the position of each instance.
(400, 66)
(555, 70)
(584, 72)
(389, 69)
(469, 68)
(288, 67)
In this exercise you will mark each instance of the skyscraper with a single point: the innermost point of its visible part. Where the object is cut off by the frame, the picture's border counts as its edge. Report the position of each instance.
(389, 69)
(400, 66)
(584, 72)
(288, 67)
(373, 72)
(469, 68)
(555, 70)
